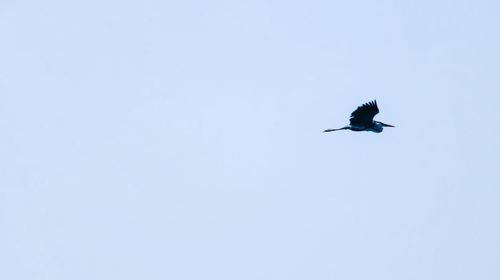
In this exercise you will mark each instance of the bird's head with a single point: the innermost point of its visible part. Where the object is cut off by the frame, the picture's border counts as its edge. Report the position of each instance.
(386, 125)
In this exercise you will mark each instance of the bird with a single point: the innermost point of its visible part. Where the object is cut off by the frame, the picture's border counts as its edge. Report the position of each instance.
(362, 119)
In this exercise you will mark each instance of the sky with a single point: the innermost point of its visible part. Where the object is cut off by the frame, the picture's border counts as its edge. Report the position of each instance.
(183, 140)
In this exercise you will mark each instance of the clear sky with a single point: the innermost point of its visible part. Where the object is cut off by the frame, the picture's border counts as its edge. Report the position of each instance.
(183, 140)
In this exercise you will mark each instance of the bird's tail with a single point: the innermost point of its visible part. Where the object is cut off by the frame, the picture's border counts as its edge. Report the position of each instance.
(335, 129)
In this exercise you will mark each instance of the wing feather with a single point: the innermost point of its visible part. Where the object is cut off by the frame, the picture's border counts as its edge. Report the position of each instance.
(363, 115)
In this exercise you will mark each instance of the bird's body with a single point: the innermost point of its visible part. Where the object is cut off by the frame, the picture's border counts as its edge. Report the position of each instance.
(362, 119)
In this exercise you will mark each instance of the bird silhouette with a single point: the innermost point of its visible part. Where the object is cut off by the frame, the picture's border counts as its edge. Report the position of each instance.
(362, 119)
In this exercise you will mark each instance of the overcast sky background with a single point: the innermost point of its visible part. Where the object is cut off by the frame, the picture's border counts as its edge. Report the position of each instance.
(182, 140)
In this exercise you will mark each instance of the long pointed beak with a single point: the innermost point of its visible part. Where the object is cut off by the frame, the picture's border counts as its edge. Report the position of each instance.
(388, 125)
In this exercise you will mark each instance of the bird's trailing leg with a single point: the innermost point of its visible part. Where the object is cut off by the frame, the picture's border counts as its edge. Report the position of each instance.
(335, 129)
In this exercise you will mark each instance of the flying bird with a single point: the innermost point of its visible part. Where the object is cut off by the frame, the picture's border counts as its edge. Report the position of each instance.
(362, 119)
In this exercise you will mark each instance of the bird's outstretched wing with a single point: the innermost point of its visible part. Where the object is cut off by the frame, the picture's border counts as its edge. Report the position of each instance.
(363, 115)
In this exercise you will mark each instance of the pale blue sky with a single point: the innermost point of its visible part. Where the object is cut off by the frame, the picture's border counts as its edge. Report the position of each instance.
(182, 140)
